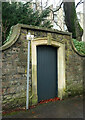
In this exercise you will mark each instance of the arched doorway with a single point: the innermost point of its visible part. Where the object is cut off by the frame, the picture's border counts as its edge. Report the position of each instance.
(47, 76)
(60, 60)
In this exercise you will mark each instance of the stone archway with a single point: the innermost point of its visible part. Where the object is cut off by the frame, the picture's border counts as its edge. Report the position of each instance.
(61, 65)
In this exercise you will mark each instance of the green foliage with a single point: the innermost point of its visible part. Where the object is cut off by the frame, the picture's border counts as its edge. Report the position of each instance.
(80, 46)
(8, 37)
(22, 13)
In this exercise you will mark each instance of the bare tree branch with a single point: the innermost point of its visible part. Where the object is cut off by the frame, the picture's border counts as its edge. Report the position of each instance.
(53, 11)
(58, 8)
(58, 25)
(79, 3)
(41, 5)
(46, 4)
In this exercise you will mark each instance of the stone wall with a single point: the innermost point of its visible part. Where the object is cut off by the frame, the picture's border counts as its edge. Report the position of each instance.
(14, 68)
(74, 70)
(0, 62)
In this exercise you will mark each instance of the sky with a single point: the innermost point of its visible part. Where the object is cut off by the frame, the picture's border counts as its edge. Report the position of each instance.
(57, 2)
(80, 7)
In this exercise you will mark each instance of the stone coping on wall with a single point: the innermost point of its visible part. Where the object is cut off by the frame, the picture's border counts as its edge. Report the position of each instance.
(16, 33)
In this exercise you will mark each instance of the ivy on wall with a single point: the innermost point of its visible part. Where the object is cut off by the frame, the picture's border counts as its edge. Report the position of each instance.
(8, 37)
(80, 46)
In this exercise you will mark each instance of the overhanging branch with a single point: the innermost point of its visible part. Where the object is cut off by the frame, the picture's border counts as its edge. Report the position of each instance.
(79, 3)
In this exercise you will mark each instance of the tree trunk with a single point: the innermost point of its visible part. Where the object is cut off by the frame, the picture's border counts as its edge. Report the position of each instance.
(72, 20)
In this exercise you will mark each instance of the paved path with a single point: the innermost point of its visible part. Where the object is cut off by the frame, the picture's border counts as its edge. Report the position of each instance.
(69, 108)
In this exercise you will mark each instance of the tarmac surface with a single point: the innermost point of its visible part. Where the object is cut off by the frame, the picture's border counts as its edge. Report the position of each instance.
(68, 108)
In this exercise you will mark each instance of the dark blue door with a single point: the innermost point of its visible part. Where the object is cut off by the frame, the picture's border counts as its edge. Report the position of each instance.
(46, 72)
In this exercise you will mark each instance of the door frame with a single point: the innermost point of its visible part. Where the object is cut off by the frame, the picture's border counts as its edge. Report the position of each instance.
(61, 65)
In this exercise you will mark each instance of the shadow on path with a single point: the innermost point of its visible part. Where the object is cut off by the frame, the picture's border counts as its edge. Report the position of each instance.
(68, 108)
